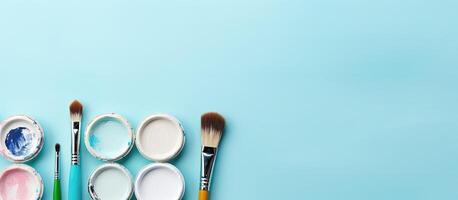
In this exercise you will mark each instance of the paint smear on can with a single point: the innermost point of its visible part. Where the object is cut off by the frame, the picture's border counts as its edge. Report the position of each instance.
(18, 184)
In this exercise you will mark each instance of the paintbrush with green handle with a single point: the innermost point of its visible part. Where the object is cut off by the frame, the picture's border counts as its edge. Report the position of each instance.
(56, 193)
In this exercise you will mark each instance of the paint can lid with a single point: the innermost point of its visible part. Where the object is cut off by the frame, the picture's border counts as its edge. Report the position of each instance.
(159, 181)
(160, 137)
(27, 183)
(111, 181)
(109, 137)
(21, 138)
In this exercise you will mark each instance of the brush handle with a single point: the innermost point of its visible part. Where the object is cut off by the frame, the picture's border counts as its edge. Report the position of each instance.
(74, 189)
(203, 195)
(56, 193)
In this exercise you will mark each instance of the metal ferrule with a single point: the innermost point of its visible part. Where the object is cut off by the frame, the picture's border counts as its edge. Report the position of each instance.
(56, 166)
(76, 127)
(207, 164)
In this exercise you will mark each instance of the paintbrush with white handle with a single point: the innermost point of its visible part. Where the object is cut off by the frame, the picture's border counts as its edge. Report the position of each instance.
(212, 125)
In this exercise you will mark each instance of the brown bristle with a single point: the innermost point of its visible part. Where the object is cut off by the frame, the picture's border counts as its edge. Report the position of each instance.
(76, 110)
(212, 125)
(212, 119)
(76, 107)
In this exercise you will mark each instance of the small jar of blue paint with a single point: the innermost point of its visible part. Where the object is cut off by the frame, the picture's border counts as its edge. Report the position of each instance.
(21, 138)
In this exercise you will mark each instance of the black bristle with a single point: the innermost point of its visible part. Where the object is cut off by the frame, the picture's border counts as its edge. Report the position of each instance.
(57, 147)
(212, 120)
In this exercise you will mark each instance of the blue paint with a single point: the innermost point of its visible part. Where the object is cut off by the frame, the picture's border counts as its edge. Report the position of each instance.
(93, 141)
(17, 142)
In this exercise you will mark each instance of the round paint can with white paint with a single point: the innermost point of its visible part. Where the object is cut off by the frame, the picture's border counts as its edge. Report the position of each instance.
(109, 137)
(21, 138)
(160, 138)
(20, 182)
(159, 181)
(110, 181)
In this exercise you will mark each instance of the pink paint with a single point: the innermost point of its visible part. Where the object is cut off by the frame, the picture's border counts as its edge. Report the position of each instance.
(18, 184)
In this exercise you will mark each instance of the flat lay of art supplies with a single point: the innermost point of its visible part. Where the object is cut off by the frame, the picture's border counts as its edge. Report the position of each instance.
(109, 138)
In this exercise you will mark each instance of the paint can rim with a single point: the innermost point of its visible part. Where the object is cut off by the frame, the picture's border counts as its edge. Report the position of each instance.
(173, 152)
(123, 152)
(103, 167)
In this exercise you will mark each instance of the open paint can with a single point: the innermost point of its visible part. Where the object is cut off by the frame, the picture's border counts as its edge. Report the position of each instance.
(159, 181)
(109, 137)
(160, 138)
(110, 181)
(21, 138)
(20, 182)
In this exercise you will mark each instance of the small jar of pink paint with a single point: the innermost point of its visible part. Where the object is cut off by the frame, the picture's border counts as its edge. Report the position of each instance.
(20, 182)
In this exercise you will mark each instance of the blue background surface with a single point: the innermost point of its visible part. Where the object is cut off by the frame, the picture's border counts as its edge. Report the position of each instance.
(324, 100)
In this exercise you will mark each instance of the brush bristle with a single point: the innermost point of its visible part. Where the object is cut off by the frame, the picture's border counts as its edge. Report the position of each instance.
(212, 125)
(57, 147)
(76, 110)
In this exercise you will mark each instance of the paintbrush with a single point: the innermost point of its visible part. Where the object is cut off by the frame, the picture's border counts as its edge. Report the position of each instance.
(74, 189)
(212, 125)
(56, 193)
